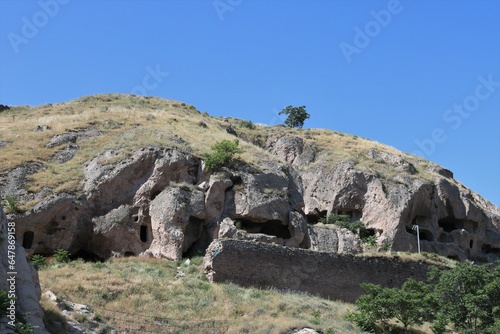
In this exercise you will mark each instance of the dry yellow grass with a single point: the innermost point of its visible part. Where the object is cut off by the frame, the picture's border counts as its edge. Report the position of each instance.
(127, 123)
(149, 287)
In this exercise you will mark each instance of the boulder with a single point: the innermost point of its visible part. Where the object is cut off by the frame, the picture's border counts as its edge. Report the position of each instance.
(297, 226)
(175, 212)
(262, 197)
(227, 229)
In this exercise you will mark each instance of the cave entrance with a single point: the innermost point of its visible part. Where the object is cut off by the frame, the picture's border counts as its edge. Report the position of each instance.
(28, 237)
(450, 224)
(143, 233)
(488, 249)
(270, 227)
(86, 256)
(199, 247)
(194, 238)
(426, 235)
(367, 232)
(315, 216)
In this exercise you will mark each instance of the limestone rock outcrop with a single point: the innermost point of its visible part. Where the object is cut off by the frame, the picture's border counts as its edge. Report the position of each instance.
(163, 202)
(177, 216)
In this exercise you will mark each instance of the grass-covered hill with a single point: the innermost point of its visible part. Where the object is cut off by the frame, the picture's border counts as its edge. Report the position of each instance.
(128, 122)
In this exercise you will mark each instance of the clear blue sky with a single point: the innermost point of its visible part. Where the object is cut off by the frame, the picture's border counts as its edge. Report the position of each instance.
(421, 76)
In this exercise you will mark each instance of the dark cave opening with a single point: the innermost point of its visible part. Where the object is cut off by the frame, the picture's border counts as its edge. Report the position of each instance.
(426, 235)
(199, 247)
(270, 227)
(315, 216)
(28, 237)
(86, 256)
(488, 249)
(143, 233)
(367, 232)
(154, 194)
(450, 224)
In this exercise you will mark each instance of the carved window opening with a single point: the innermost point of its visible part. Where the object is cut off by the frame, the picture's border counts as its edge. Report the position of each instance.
(143, 233)
(28, 237)
(426, 235)
(270, 227)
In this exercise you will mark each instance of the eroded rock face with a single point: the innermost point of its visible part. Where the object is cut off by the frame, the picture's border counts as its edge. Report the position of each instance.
(160, 202)
(27, 287)
(177, 216)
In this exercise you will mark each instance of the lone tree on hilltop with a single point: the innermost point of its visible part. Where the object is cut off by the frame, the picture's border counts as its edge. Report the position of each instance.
(296, 116)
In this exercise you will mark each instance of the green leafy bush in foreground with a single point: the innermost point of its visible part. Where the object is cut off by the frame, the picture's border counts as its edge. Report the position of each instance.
(466, 297)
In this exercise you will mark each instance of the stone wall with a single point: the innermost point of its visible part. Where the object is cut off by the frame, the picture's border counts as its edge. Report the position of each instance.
(333, 276)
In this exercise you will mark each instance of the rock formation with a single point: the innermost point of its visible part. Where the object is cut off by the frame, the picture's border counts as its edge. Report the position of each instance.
(160, 201)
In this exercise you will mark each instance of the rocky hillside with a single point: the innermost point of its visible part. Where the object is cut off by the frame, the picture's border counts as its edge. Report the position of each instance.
(119, 175)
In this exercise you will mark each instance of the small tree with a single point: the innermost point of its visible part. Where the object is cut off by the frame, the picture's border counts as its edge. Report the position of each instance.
(296, 116)
(62, 256)
(410, 305)
(223, 154)
(469, 296)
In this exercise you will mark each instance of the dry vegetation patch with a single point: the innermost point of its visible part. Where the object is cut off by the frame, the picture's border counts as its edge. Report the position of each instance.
(174, 290)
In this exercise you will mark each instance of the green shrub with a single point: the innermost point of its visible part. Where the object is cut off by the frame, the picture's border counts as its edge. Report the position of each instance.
(246, 124)
(356, 227)
(335, 219)
(11, 204)
(4, 303)
(370, 240)
(38, 261)
(364, 321)
(223, 154)
(385, 246)
(62, 256)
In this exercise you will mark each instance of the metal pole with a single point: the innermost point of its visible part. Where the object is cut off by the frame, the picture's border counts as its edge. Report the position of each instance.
(415, 227)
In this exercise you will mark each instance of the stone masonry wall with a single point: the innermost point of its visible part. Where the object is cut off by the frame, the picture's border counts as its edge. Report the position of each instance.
(333, 276)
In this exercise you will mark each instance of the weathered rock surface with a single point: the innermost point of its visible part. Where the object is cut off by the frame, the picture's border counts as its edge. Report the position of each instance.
(177, 216)
(27, 287)
(149, 204)
(334, 276)
(161, 202)
(333, 240)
